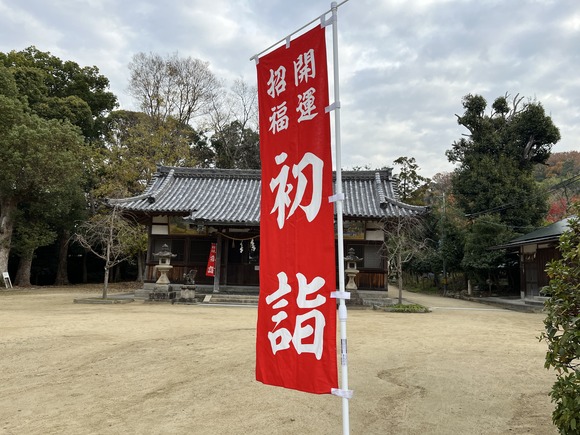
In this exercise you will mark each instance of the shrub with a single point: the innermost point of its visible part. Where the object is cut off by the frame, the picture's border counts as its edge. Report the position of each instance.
(407, 308)
(562, 330)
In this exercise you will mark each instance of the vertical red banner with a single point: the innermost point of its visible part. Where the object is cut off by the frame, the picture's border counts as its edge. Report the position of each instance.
(210, 269)
(296, 331)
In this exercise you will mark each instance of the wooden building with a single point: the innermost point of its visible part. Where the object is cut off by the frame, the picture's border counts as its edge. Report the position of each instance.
(535, 250)
(188, 209)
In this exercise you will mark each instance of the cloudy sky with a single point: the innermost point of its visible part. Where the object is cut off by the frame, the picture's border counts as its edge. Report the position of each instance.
(404, 64)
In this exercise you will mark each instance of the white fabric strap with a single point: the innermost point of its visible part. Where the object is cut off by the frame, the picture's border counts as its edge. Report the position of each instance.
(333, 106)
(345, 394)
(340, 295)
(337, 197)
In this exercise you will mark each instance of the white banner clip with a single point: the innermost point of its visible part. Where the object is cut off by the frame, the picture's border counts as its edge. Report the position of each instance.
(340, 295)
(325, 22)
(335, 105)
(337, 197)
(345, 394)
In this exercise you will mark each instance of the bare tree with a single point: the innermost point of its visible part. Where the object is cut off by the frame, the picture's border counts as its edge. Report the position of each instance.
(404, 239)
(232, 124)
(239, 104)
(172, 86)
(110, 237)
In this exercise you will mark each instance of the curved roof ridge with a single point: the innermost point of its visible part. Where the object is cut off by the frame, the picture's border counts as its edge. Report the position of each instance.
(212, 172)
(148, 193)
(386, 173)
(380, 190)
(153, 195)
(122, 200)
(418, 208)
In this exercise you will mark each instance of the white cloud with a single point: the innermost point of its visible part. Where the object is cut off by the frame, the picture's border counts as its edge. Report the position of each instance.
(405, 65)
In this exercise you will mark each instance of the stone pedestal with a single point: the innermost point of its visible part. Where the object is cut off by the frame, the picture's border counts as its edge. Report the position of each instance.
(351, 287)
(163, 269)
(187, 292)
(351, 273)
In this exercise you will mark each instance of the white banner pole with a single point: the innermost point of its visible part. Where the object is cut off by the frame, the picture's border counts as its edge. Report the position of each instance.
(342, 314)
(338, 198)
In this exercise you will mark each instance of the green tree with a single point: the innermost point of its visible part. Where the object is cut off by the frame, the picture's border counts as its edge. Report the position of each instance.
(562, 329)
(61, 90)
(233, 121)
(57, 89)
(40, 220)
(236, 147)
(494, 178)
(480, 262)
(38, 157)
(446, 231)
(412, 186)
(30, 234)
(134, 145)
(497, 156)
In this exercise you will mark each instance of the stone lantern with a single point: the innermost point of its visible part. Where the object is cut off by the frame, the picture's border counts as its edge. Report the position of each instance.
(164, 265)
(351, 270)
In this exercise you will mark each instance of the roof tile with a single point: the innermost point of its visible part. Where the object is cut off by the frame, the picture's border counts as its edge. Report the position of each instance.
(232, 196)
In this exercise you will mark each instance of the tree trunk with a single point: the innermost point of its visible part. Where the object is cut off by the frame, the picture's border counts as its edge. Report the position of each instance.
(140, 267)
(62, 267)
(400, 277)
(106, 283)
(108, 257)
(7, 210)
(22, 278)
(387, 277)
(85, 277)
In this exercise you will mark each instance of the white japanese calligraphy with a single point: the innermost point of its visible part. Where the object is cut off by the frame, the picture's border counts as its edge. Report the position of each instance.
(306, 338)
(303, 332)
(277, 82)
(304, 67)
(283, 188)
(306, 105)
(306, 289)
(280, 184)
(317, 164)
(279, 119)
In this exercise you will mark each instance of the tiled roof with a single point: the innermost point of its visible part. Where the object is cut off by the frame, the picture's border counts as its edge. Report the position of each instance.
(232, 196)
(550, 233)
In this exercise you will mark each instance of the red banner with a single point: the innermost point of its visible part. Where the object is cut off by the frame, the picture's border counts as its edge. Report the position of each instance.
(210, 269)
(296, 331)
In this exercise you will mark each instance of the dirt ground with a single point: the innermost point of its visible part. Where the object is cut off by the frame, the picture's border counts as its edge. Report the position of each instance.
(143, 368)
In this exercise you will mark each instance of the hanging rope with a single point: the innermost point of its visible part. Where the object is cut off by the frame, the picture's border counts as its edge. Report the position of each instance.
(239, 238)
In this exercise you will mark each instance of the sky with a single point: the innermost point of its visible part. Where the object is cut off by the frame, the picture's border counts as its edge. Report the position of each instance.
(404, 65)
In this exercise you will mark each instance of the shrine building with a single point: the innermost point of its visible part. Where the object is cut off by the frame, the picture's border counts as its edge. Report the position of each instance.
(189, 209)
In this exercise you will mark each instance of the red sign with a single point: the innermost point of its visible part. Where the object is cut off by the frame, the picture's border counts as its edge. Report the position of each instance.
(296, 331)
(210, 269)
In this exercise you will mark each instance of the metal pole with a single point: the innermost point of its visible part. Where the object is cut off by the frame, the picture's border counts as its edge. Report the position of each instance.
(342, 314)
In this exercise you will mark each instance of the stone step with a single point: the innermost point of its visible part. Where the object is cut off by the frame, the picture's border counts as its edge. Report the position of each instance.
(534, 302)
(380, 302)
(369, 298)
(230, 299)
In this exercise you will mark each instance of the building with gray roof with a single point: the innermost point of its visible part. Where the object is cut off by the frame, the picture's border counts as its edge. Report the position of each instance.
(188, 209)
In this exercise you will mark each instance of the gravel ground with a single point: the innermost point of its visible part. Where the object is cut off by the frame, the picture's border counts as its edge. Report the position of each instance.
(157, 368)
